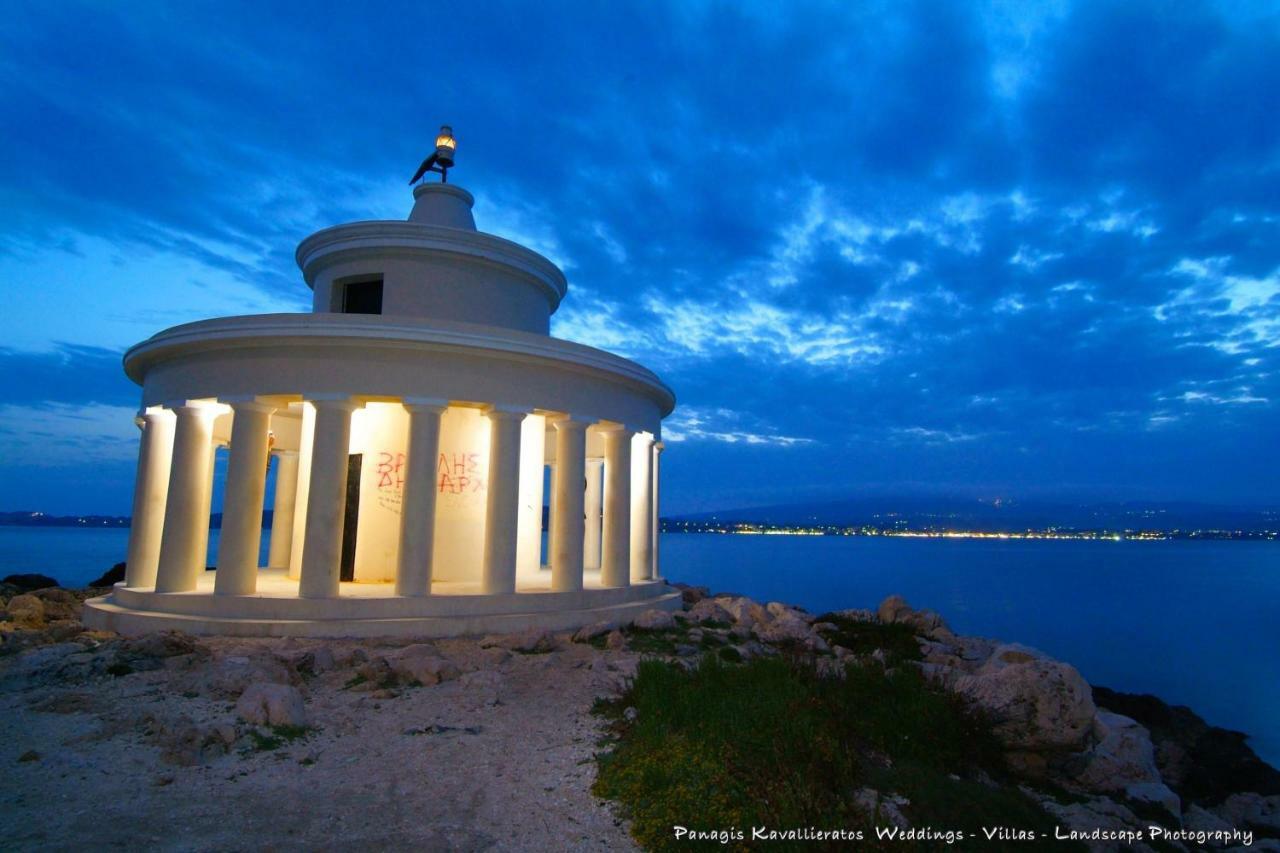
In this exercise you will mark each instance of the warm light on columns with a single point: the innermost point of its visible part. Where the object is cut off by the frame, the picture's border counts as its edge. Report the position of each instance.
(241, 537)
(418, 510)
(186, 514)
(615, 558)
(151, 487)
(502, 507)
(568, 495)
(641, 507)
(282, 511)
(327, 495)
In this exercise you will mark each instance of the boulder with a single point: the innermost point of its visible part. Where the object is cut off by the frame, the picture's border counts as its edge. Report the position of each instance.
(587, 633)
(1098, 813)
(895, 610)
(709, 610)
(58, 603)
(230, 675)
(691, 595)
(423, 664)
(29, 582)
(531, 641)
(26, 611)
(654, 620)
(1122, 755)
(161, 644)
(616, 641)
(777, 608)
(742, 610)
(783, 628)
(892, 608)
(1252, 810)
(1035, 703)
(272, 704)
(1156, 793)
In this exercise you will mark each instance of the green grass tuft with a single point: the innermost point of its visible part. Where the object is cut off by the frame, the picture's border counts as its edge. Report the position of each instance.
(771, 743)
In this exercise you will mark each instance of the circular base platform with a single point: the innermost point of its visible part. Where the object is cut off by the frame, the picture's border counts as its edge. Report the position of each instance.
(369, 610)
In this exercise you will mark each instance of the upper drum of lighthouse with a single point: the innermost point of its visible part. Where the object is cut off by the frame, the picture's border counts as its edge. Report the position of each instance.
(434, 265)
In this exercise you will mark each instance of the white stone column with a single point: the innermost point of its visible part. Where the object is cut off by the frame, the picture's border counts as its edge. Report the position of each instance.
(594, 510)
(282, 509)
(641, 507)
(298, 541)
(658, 447)
(502, 508)
(326, 503)
(418, 509)
(568, 494)
(202, 549)
(150, 488)
(615, 557)
(186, 512)
(241, 537)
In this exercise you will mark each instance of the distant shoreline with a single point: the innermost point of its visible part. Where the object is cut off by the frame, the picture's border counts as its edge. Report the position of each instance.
(734, 528)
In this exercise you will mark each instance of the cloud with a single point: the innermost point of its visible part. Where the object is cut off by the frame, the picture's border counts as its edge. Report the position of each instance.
(916, 207)
(60, 435)
(693, 424)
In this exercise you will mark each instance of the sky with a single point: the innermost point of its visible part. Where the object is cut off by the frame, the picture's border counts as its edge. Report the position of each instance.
(1014, 250)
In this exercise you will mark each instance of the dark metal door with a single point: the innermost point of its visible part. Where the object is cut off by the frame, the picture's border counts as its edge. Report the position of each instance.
(351, 518)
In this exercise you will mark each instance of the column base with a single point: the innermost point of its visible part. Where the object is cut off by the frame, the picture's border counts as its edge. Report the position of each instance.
(368, 610)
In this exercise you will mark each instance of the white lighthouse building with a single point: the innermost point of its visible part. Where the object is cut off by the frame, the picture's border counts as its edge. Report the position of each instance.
(416, 422)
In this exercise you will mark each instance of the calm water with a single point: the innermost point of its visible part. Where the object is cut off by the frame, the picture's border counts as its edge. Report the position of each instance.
(1196, 623)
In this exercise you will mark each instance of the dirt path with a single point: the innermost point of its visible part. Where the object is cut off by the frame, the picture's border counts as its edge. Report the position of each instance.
(499, 759)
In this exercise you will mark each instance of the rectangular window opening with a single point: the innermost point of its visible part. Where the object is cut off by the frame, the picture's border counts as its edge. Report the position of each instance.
(362, 297)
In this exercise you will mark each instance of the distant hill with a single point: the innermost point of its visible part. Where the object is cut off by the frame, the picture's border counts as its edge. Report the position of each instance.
(937, 513)
(40, 519)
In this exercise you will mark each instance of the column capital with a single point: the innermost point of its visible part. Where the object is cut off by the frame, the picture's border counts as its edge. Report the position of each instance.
(248, 404)
(333, 402)
(659, 446)
(616, 432)
(192, 407)
(430, 405)
(505, 412)
(571, 421)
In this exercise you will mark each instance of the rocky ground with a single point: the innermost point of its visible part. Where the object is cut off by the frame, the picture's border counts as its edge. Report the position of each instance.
(174, 742)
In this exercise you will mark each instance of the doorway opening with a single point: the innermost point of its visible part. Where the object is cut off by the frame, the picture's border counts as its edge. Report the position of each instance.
(351, 518)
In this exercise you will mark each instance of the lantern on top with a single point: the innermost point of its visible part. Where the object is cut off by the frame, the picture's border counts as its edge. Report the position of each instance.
(441, 161)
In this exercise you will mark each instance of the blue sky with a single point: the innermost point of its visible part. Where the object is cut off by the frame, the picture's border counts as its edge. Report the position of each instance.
(1013, 249)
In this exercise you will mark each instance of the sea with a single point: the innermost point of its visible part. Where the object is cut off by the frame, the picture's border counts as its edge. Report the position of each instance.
(1196, 623)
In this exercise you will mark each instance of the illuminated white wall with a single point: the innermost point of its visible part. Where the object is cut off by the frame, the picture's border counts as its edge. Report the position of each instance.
(462, 473)
(379, 432)
(305, 438)
(533, 449)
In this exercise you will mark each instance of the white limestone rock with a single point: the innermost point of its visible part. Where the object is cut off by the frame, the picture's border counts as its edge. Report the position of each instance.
(1094, 814)
(742, 610)
(896, 610)
(26, 611)
(1155, 792)
(655, 620)
(421, 663)
(709, 610)
(1253, 810)
(1035, 702)
(531, 641)
(270, 704)
(587, 633)
(1122, 755)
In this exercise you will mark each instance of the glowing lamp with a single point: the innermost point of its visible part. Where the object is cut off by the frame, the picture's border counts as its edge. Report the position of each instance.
(445, 145)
